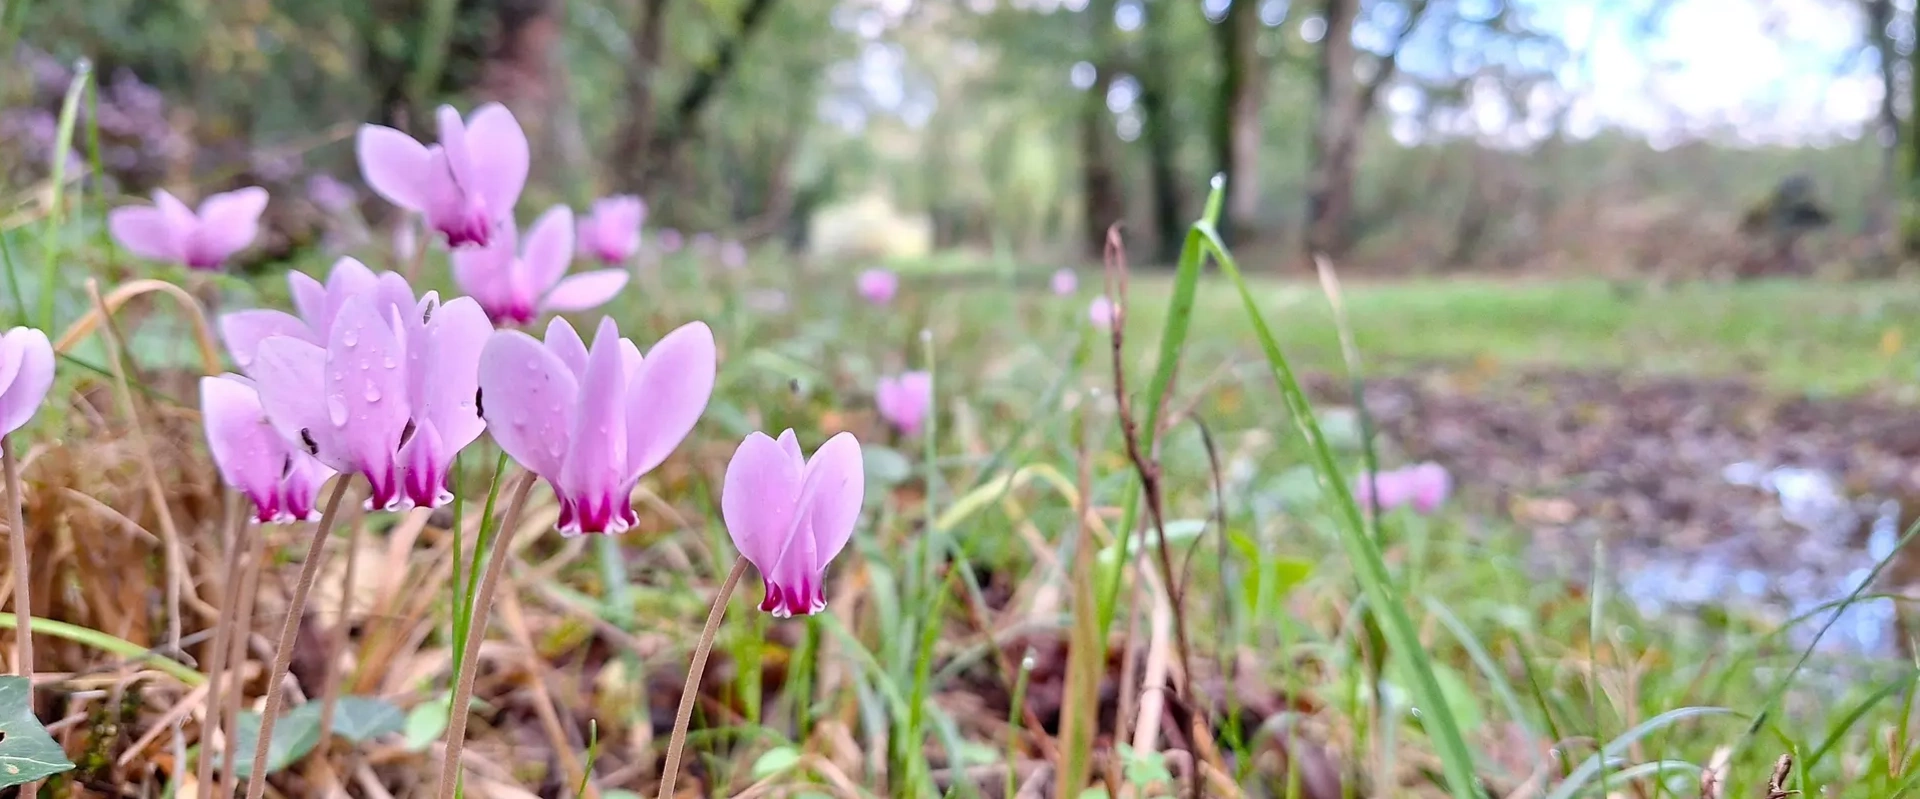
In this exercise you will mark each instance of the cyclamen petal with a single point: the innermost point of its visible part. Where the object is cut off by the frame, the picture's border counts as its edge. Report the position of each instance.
(26, 363)
(878, 286)
(790, 517)
(592, 423)
(1065, 282)
(514, 288)
(1423, 488)
(168, 231)
(611, 229)
(904, 400)
(282, 483)
(1100, 313)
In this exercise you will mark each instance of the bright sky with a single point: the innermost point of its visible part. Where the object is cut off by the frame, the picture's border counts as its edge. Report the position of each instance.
(1774, 71)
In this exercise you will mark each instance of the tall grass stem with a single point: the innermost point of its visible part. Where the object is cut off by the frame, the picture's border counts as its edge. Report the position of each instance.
(691, 690)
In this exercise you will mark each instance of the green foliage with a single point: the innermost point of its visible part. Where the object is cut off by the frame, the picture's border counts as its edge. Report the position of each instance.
(297, 731)
(27, 753)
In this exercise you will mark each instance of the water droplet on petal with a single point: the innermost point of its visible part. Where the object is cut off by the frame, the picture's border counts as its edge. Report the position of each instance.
(373, 392)
(337, 409)
(389, 362)
(364, 366)
(533, 366)
(350, 337)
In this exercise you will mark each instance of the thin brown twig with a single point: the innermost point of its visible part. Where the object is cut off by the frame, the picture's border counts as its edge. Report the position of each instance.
(237, 653)
(289, 630)
(222, 638)
(543, 705)
(1777, 785)
(340, 640)
(691, 690)
(476, 631)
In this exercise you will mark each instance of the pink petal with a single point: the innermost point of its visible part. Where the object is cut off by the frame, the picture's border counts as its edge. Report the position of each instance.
(347, 279)
(31, 379)
(596, 463)
(453, 142)
(366, 394)
(668, 393)
(309, 298)
(145, 232)
(500, 147)
(242, 331)
(245, 448)
(527, 397)
(424, 461)
(179, 216)
(549, 248)
(450, 366)
(486, 272)
(394, 165)
(290, 375)
(837, 486)
(790, 444)
(585, 290)
(759, 498)
(228, 223)
(565, 343)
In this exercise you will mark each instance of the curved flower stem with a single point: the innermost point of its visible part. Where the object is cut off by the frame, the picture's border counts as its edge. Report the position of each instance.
(283, 656)
(222, 638)
(692, 689)
(22, 594)
(477, 630)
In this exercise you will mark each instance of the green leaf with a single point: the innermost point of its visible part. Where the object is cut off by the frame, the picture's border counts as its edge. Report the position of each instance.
(27, 752)
(1276, 574)
(774, 761)
(295, 734)
(886, 467)
(363, 718)
(425, 722)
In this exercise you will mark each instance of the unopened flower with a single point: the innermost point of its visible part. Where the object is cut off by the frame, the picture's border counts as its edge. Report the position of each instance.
(1424, 488)
(1065, 282)
(611, 231)
(878, 286)
(904, 401)
(26, 373)
(591, 422)
(790, 515)
(282, 481)
(465, 185)
(514, 288)
(392, 395)
(170, 231)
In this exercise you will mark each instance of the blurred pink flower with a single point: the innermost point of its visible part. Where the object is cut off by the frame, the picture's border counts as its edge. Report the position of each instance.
(392, 395)
(789, 516)
(26, 373)
(904, 400)
(611, 231)
(592, 421)
(466, 185)
(330, 194)
(733, 254)
(168, 231)
(1101, 312)
(242, 331)
(282, 481)
(513, 289)
(878, 286)
(1065, 282)
(671, 241)
(1423, 488)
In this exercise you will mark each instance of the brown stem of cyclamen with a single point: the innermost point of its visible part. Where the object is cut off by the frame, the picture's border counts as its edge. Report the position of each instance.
(22, 593)
(237, 650)
(692, 689)
(476, 630)
(222, 637)
(283, 656)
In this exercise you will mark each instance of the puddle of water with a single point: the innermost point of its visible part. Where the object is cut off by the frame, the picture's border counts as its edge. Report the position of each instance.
(1825, 564)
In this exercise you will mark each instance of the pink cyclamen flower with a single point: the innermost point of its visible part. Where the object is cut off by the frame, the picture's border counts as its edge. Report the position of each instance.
(790, 516)
(392, 395)
(611, 231)
(26, 373)
(513, 289)
(1423, 488)
(1065, 282)
(1101, 312)
(170, 231)
(878, 286)
(283, 481)
(465, 186)
(904, 401)
(591, 422)
(671, 241)
(242, 331)
(330, 194)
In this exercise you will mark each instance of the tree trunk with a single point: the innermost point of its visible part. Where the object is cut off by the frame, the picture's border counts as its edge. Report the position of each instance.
(1881, 210)
(1168, 223)
(635, 138)
(700, 92)
(1099, 183)
(1236, 131)
(1330, 179)
(1910, 193)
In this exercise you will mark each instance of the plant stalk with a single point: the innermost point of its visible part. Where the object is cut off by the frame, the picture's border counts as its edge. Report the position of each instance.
(691, 690)
(22, 593)
(283, 655)
(476, 632)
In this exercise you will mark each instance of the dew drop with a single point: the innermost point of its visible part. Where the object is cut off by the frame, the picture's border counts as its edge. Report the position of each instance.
(533, 366)
(350, 337)
(1219, 180)
(390, 363)
(337, 409)
(339, 376)
(364, 366)
(373, 392)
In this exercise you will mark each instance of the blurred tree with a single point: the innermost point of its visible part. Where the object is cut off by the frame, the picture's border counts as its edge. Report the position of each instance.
(1236, 132)
(1346, 102)
(1100, 188)
(1155, 77)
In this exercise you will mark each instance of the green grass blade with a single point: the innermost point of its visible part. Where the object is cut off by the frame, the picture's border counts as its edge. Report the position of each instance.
(62, 148)
(1376, 584)
(1590, 769)
(1859, 711)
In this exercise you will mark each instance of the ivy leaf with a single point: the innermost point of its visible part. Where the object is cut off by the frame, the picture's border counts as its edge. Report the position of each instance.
(27, 752)
(362, 718)
(295, 734)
